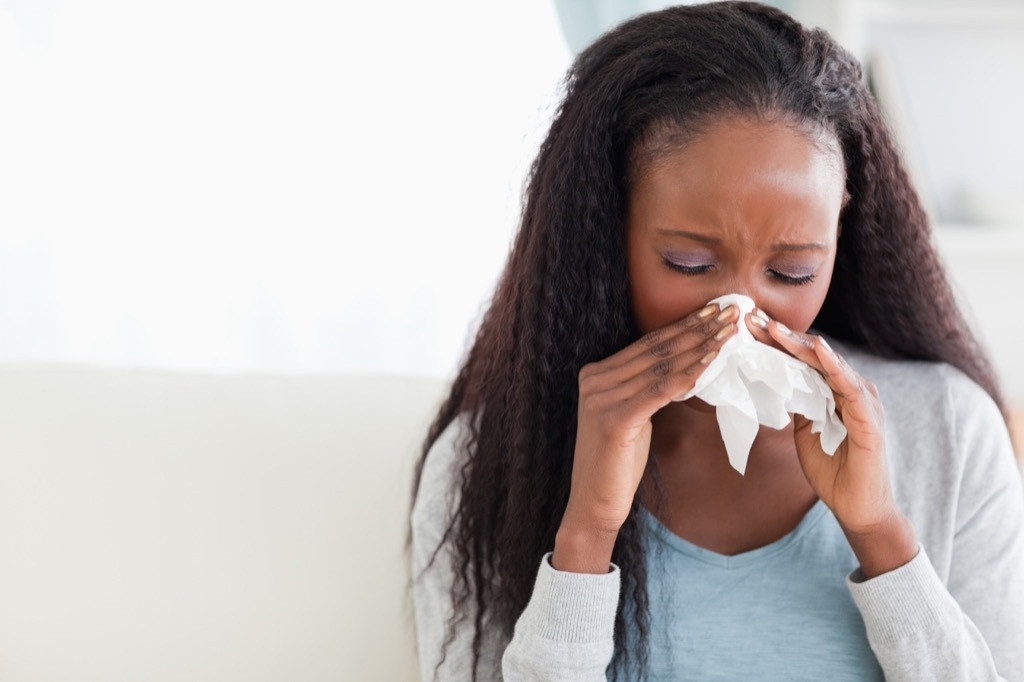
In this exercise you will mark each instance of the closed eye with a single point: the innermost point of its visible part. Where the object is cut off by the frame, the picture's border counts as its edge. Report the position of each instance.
(688, 269)
(790, 279)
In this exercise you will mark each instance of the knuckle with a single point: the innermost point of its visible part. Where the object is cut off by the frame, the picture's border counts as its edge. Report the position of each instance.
(657, 386)
(586, 411)
(591, 403)
(587, 383)
(693, 321)
(586, 371)
(650, 339)
(662, 367)
(586, 402)
(661, 349)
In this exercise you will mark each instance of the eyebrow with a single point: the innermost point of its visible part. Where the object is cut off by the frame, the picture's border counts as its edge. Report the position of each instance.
(707, 239)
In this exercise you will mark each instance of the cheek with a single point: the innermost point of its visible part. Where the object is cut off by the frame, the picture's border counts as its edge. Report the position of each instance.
(797, 306)
(660, 296)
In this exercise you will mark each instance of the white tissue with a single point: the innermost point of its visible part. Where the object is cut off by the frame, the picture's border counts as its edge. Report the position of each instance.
(751, 383)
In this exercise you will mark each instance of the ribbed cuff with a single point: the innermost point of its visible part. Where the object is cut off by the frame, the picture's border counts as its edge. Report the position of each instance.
(573, 607)
(905, 601)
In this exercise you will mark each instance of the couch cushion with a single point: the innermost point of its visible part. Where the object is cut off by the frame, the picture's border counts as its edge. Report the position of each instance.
(168, 525)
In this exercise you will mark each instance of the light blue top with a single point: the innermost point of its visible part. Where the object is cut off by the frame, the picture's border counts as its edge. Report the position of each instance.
(779, 612)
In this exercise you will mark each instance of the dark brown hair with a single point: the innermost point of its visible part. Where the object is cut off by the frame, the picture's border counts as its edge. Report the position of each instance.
(563, 300)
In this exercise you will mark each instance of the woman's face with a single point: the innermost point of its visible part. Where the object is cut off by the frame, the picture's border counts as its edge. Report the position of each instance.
(747, 207)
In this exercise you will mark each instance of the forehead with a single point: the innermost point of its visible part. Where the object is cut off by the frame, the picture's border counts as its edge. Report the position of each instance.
(744, 176)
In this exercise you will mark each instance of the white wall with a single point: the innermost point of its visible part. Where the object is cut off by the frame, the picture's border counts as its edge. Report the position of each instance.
(986, 268)
(295, 186)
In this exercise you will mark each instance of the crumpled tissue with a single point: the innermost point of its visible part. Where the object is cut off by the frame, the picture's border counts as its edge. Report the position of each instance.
(751, 383)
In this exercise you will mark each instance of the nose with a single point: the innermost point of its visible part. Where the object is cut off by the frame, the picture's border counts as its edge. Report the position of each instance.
(743, 286)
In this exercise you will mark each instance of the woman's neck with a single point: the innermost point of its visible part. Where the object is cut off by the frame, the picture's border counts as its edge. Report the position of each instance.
(686, 441)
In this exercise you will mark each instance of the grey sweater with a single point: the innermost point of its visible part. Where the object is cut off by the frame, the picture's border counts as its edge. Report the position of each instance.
(954, 612)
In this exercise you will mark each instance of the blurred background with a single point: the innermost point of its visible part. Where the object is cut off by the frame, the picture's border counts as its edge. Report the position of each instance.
(315, 187)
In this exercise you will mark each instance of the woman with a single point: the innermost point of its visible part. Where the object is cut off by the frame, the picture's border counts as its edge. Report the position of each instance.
(572, 520)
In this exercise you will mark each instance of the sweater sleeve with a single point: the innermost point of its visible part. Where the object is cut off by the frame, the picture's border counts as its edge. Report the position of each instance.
(973, 627)
(564, 633)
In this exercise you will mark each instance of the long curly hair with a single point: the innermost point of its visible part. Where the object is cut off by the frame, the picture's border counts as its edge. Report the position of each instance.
(563, 299)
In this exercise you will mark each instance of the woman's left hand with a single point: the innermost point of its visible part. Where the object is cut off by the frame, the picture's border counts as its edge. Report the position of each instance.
(854, 482)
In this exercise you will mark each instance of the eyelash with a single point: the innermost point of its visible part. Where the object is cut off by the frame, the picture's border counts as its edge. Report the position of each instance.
(797, 281)
(701, 269)
(687, 269)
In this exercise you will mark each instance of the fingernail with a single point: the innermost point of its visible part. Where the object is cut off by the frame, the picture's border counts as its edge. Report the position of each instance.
(725, 313)
(825, 344)
(759, 320)
(709, 357)
(723, 332)
(707, 311)
(782, 328)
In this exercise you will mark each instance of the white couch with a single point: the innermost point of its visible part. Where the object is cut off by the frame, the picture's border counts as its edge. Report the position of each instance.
(159, 525)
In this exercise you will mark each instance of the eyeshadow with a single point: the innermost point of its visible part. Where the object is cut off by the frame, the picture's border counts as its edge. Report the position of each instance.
(690, 258)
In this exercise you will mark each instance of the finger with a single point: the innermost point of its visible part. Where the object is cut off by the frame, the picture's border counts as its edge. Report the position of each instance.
(621, 383)
(671, 340)
(655, 388)
(797, 344)
(854, 398)
(816, 352)
(757, 323)
(844, 382)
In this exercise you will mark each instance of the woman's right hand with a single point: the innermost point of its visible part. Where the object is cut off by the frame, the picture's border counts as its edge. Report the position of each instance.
(617, 398)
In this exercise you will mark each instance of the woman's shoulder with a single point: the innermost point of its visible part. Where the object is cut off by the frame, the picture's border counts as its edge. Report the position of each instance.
(937, 418)
(947, 446)
(937, 387)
